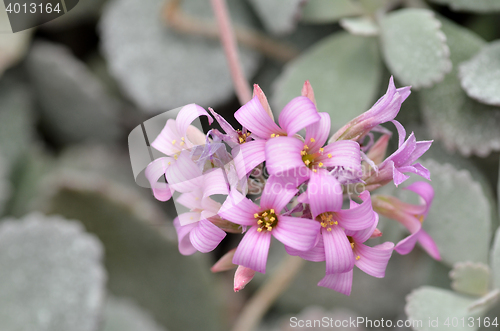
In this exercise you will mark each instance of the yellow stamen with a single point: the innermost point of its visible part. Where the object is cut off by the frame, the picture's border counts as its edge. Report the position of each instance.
(320, 164)
(273, 135)
(241, 140)
(307, 162)
(256, 215)
(321, 150)
(329, 155)
(277, 135)
(329, 229)
(358, 257)
(169, 163)
(259, 230)
(174, 141)
(332, 223)
(306, 147)
(315, 170)
(176, 157)
(312, 140)
(272, 219)
(182, 138)
(335, 222)
(265, 214)
(259, 222)
(272, 211)
(323, 224)
(269, 228)
(182, 143)
(352, 245)
(303, 153)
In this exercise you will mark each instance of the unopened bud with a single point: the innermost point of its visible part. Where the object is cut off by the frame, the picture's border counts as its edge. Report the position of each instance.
(242, 277)
(225, 262)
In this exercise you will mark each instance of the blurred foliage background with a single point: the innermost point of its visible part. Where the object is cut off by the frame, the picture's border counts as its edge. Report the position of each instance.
(82, 247)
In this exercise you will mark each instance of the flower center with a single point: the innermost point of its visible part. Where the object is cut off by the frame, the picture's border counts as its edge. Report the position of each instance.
(266, 220)
(309, 157)
(351, 240)
(327, 221)
(242, 137)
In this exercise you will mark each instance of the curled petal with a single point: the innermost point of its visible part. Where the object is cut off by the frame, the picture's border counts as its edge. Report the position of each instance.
(363, 235)
(225, 262)
(338, 251)
(358, 217)
(205, 237)
(373, 260)
(249, 155)
(253, 250)
(401, 132)
(239, 209)
(154, 171)
(341, 283)
(297, 233)
(255, 118)
(242, 277)
(184, 175)
(318, 132)
(167, 141)
(425, 191)
(277, 193)
(185, 246)
(315, 254)
(324, 193)
(215, 182)
(297, 114)
(343, 153)
(187, 115)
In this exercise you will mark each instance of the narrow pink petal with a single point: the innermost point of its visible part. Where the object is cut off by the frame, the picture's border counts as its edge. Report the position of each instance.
(283, 156)
(255, 118)
(228, 128)
(397, 176)
(318, 132)
(253, 250)
(205, 237)
(373, 260)
(154, 171)
(420, 148)
(401, 132)
(426, 193)
(404, 152)
(187, 115)
(307, 91)
(184, 175)
(406, 245)
(315, 254)
(363, 235)
(242, 277)
(239, 209)
(344, 153)
(257, 92)
(249, 155)
(324, 193)
(338, 251)
(341, 283)
(215, 182)
(185, 246)
(429, 245)
(298, 233)
(421, 171)
(297, 114)
(277, 194)
(225, 262)
(168, 140)
(359, 217)
(189, 218)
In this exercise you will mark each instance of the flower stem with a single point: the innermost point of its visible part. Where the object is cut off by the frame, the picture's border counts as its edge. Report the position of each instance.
(228, 41)
(258, 305)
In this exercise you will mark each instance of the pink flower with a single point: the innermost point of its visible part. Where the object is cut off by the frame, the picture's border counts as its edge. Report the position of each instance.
(411, 216)
(265, 221)
(297, 114)
(292, 157)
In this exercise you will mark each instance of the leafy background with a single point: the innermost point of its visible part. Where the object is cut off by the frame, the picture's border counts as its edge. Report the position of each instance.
(82, 247)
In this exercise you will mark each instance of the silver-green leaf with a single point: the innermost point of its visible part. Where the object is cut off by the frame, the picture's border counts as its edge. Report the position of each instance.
(480, 76)
(278, 16)
(329, 11)
(470, 278)
(414, 47)
(344, 71)
(361, 26)
(162, 69)
(51, 278)
(125, 315)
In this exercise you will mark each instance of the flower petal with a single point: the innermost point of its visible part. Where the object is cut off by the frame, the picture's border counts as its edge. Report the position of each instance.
(242, 277)
(187, 115)
(205, 237)
(277, 194)
(373, 260)
(191, 200)
(255, 118)
(168, 140)
(359, 217)
(344, 153)
(283, 157)
(338, 251)
(154, 171)
(315, 254)
(249, 155)
(189, 218)
(297, 114)
(318, 132)
(239, 209)
(363, 235)
(185, 246)
(215, 182)
(425, 191)
(298, 233)
(341, 283)
(184, 175)
(324, 193)
(429, 245)
(253, 250)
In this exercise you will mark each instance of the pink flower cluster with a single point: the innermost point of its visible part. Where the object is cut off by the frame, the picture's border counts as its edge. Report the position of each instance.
(303, 190)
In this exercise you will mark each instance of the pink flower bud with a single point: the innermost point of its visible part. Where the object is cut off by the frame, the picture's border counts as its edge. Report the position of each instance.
(257, 92)
(307, 91)
(225, 262)
(242, 277)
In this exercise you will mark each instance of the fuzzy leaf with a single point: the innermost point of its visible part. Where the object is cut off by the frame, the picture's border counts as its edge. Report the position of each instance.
(478, 6)
(142, 264)
(162, 69)
(361, 26)
(51, 277)
(278, 16)
(430, 304)
(480, 76)
(461, 123)
(344, 71)
(460, 217)
(414, 47)
(470, 278)
(329, 11)
(13, 46)
(125, 315)
(75, 107)
(495, 260)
